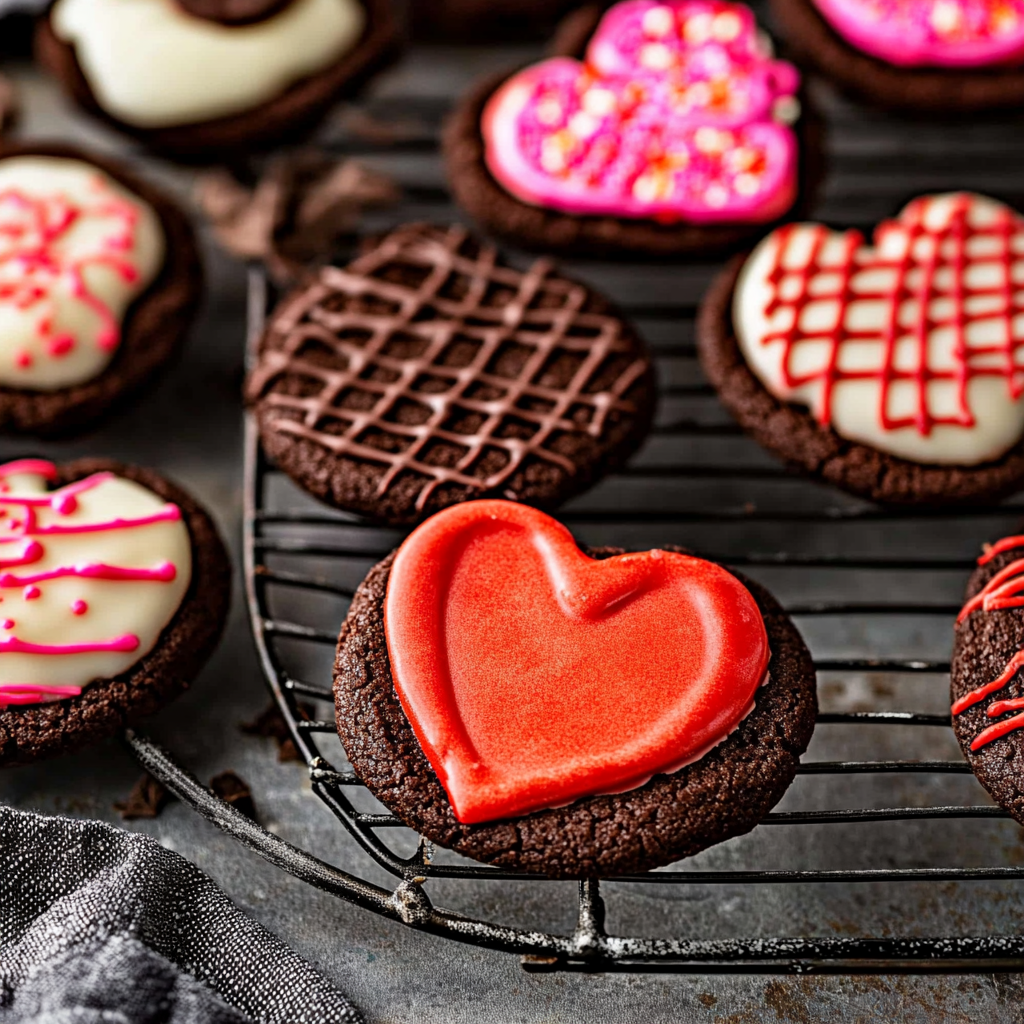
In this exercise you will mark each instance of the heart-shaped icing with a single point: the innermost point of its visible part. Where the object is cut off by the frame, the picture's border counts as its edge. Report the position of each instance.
(674, 115)
(911, 345)
(90, 574)
(938, 33)
(76, 248)
(534, 675)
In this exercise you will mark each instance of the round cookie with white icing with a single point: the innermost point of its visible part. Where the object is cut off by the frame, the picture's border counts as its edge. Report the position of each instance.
(99, 281)
(891, 368)
(202, 79)
(114, 590)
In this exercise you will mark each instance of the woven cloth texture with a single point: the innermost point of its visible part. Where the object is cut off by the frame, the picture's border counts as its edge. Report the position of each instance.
(98, 924)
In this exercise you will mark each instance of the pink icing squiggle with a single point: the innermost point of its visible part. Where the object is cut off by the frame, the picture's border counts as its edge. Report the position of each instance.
(163, 573)
(12, 645)
(20, 526)
(19, 693)
(36, 230)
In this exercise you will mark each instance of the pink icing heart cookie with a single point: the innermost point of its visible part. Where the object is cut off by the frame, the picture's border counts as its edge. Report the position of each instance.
(677, 114)
(931, 33)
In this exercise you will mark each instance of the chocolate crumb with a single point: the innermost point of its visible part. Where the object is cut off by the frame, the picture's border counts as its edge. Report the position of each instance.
(147, 799)
(235, 791)
(270, 723)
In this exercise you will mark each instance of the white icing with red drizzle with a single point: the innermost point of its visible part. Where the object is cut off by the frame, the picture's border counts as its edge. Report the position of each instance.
(90, 574)
(153, 65)
(75, 250)
(912, 345)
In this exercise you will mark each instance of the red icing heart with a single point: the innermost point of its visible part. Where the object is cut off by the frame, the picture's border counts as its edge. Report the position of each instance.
(534, 675)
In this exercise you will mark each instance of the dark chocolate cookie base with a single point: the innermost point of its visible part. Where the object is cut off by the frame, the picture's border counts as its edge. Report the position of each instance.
(109, 705)
(813, 42)
(289, 117)
(793, 434)
(488, 202)
(153, 331)
(985, 642)
(724, 794)
(351, 483)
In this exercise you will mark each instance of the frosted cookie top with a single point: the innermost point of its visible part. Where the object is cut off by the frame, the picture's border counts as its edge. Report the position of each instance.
(152, 65)
(76, 249)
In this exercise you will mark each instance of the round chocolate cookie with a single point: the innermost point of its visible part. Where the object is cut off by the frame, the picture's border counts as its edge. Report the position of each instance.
(105, 706)
(723, 794)
(812, 41)
(794, 434)
(289, 116)
(552, 230)
(428, 372)
(153, 330)
(987, 642)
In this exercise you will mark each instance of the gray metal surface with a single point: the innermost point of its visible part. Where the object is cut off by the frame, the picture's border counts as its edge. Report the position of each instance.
(191, 428)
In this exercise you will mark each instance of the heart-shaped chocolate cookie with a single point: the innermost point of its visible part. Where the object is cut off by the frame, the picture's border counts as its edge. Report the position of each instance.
(576, 713)
(678, 113)
(909, 345)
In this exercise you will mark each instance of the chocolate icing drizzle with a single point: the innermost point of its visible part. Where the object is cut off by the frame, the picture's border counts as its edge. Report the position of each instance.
(347, 352)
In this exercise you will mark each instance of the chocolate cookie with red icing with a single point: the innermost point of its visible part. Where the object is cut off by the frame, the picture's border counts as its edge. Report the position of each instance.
(102, 280)
(280, 65)
(889, 368)
(429, 371)
(568, 713)
(917, 56)
(655, 130)
(117, 595)
(986, 688)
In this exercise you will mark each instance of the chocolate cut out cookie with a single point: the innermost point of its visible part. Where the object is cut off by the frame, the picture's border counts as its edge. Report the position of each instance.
(939, 91)
(986, 688)
(724, 793)
(428, 372)
(58, 622)
(289, 115)
(679, 223)
(152, 330)
(849, 376)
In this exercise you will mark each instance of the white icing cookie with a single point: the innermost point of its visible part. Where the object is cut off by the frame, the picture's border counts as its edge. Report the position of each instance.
(152, 65)
(911, 345)
(90, 575)
(76, 249)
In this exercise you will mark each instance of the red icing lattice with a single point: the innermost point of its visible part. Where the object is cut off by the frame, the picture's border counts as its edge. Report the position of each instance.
(935, 264)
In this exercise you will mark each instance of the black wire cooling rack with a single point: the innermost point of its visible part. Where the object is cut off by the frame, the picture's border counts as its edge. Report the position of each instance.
(697, 482)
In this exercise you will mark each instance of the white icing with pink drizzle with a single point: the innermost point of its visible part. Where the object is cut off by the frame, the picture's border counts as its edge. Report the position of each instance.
(90, 574)
(76, 249)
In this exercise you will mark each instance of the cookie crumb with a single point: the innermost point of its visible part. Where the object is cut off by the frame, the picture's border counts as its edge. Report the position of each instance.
(233, 790)
(270, 723)
(147, 799)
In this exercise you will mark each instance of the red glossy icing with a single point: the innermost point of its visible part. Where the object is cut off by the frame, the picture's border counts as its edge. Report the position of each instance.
(914, 278)
(1004, 590)
(534, 675)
